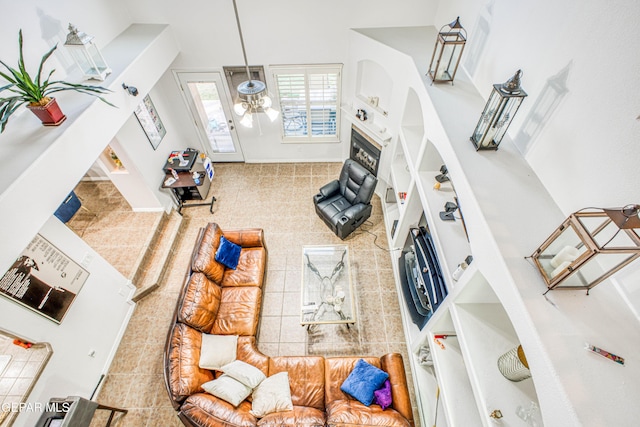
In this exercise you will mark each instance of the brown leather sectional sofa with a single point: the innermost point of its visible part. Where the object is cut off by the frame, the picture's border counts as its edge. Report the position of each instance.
(216, 300)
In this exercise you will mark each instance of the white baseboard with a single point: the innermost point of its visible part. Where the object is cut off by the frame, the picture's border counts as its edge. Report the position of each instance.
(315, 160)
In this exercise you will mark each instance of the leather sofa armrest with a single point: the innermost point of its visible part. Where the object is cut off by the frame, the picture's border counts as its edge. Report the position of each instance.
(247, 238)
(327, 190)
(392, 364)
(248, 352)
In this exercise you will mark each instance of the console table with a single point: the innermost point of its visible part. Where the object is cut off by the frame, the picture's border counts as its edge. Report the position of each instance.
(186, 187)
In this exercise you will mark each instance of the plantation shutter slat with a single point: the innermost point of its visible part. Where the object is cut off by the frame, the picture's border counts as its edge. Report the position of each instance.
(309, 101)
(293, 103)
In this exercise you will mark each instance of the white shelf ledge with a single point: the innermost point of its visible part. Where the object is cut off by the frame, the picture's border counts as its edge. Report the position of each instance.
(379, 134)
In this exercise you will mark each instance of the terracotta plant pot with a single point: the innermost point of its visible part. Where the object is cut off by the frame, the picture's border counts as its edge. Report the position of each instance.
(49, 114)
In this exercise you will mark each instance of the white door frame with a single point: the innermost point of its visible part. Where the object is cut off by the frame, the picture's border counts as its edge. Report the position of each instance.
(182, 77)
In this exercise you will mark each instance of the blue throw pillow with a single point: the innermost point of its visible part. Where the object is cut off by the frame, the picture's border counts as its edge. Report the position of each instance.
(363, 381)
(228, 253)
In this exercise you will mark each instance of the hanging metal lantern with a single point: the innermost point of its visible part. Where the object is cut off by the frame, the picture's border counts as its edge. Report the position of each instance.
(447, 52)
(86, 54)
(498, 113)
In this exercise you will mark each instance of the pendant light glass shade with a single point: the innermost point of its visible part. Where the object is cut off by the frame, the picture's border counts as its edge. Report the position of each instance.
(247, 120)
(272, 114)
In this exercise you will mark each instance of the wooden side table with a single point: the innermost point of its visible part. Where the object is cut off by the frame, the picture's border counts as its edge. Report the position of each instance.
(185, 188)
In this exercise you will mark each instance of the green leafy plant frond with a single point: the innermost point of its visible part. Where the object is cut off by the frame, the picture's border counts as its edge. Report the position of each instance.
(24, 89)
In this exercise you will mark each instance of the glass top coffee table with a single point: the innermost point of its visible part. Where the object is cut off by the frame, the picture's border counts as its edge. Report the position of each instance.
(327, 292)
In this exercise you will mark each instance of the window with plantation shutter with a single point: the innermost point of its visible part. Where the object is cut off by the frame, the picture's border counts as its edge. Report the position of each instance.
(309, 99)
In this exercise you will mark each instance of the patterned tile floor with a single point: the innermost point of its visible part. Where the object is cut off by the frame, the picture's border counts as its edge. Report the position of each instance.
(277, 198)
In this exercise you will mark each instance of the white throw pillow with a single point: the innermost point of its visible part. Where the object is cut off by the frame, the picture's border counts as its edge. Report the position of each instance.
(227, 389)
(247, 374)
(272, 395)
(217, 351)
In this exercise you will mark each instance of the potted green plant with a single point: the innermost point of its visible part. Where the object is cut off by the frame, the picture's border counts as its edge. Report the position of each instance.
(36, 93)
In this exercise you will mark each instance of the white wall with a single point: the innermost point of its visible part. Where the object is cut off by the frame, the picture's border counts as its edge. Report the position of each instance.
(46, 23)
(45, 165)
(580, 60)
(147, 161)
(129, 182)
(275, 32)
(95, 321)
(579, 126)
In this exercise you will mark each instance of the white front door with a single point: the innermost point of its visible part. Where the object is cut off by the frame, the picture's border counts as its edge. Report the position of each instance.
(208, 103)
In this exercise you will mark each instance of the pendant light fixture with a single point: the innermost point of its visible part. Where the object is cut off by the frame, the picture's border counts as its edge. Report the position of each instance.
(252, 94)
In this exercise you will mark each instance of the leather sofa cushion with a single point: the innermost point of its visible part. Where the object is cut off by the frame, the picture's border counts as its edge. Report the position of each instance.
(334, 205)
(209, 411)
(205, 251)
(351, 413)
(248, 352)
(184, 376)
(239, 311)
(306, 378)
(246, 237)
(356, 183)
(337, 369)
(301, 416)
(250, 269)
(200, 303)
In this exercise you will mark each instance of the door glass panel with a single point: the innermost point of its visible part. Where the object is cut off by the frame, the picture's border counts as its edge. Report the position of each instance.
(211, 115)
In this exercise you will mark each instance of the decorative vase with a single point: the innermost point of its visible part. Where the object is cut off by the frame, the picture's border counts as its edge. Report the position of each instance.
(513, 365)
(50, 114)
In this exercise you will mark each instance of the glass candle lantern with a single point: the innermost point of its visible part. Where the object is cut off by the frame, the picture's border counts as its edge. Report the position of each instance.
(498, 113)
(86, 54)
(589, 246)
(447, 52)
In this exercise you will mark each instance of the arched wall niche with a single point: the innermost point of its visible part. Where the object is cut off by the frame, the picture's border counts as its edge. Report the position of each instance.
(374, 85)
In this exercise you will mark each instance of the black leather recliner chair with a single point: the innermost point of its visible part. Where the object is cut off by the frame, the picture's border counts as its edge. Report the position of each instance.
(344, 204)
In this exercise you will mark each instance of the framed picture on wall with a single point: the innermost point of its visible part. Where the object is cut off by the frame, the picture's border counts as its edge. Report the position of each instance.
(44, 279)
(148, 118)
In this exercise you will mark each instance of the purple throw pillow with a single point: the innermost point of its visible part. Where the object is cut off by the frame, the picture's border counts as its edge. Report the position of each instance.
(382, 396)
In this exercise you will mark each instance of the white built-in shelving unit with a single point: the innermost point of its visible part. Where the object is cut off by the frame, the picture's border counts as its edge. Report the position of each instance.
(497, 303)
(478, 328)
(464, 379)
